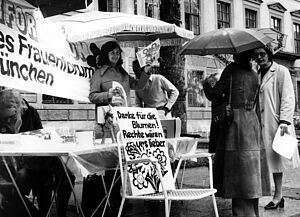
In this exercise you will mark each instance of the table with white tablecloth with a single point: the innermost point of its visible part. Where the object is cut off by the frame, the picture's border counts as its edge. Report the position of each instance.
(84, 160)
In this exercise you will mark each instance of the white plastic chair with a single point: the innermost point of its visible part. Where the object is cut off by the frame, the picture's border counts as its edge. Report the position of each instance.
(166, 195)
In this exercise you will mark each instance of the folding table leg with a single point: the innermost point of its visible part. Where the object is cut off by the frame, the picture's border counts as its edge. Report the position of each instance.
(110, 189)
(105, 190)
(107, 194)
(15, 184)
(70, 182)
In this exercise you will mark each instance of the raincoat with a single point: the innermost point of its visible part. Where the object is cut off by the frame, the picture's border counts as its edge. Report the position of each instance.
(240, 165)
(277, 102)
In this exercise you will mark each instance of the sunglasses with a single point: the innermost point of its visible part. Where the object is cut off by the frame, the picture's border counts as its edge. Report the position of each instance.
(261, 54)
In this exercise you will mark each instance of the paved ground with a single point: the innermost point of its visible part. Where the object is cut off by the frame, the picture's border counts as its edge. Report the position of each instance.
(197, 177)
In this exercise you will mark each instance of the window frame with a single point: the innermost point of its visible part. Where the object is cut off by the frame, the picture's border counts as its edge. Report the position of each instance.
(229, 3)
(194, 17)
(295, 15)
(275, 18)
(277, 11)
(253, 5)
(249, 20)
(115, 5)
(296, 41)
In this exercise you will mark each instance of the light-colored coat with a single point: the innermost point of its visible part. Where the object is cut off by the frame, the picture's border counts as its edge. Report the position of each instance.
(277, 102)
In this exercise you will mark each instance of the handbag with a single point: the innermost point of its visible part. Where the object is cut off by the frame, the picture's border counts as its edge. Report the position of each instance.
(222, 114)
(228, 108)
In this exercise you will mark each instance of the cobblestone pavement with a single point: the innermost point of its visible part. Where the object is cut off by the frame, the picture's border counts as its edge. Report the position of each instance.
(198, 177)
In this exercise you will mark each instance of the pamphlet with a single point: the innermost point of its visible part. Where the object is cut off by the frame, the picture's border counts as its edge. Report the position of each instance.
(149, 54)
(284, 145)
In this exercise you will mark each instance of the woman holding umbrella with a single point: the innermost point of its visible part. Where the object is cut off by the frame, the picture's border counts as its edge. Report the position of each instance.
(277, 104)
(240, 162)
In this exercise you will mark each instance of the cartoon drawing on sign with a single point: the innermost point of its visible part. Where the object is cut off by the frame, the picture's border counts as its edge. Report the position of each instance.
(144, 139)
(149, 54)
(144, 174)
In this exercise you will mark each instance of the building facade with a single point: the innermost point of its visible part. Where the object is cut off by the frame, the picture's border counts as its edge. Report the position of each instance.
(199, 16)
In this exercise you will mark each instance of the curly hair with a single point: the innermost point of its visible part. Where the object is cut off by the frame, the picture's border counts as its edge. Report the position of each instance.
(105, 49)
(10, 99)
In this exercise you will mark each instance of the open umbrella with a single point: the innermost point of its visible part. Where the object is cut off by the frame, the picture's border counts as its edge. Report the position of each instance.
(279, 39)
(225, 41)
(123, 27)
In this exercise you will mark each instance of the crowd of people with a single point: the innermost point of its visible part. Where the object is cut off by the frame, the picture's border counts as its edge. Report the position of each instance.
(262, 99)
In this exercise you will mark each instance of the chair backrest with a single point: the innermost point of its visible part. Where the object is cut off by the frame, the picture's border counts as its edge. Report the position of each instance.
(148, 143)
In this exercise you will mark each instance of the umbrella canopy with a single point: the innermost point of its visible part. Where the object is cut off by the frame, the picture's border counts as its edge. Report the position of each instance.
(225, 41)
(124, 27)
(279, 39)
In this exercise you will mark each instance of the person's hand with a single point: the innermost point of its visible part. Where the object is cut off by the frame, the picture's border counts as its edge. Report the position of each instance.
(283, 129)
(212, 79)
(166, 110)
(118, 101)
(147, 69)
(111, 92)
(118, 92)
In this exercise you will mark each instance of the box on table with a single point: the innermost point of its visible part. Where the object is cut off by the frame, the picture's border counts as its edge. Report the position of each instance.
(171, 127)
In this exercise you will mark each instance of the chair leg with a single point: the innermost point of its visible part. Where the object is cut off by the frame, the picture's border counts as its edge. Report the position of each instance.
(215, 205)
(182, 174)
(121, 206)
(167, 208)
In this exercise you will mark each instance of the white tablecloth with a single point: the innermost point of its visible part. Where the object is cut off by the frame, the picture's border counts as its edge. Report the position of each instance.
(84, 160)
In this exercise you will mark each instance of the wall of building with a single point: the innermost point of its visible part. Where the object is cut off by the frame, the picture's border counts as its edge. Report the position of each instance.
(82, 115)
(199, 119)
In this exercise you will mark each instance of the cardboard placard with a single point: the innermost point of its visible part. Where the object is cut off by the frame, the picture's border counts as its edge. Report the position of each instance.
(149, 54)
(143, 138)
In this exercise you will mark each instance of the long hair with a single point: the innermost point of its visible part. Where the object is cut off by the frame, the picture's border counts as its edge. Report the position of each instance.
(107, 47)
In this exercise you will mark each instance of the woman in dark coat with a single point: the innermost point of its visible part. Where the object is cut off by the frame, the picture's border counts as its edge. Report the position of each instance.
(240, 166)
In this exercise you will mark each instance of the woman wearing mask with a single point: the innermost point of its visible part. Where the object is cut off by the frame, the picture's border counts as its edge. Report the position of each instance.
(240, 161)
(277, 104)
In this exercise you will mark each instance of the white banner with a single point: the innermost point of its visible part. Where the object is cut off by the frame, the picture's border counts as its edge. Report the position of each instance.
(35, 56)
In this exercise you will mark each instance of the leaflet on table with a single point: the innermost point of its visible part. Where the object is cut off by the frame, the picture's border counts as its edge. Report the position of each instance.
(41, 137)
(10, 139)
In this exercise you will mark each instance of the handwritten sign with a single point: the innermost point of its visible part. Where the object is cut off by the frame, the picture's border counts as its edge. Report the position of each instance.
(149, 54)
(144, 138)
(35, 56)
